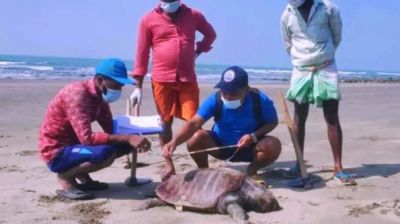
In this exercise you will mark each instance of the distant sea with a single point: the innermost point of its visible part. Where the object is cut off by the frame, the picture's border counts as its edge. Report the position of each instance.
(35, 67)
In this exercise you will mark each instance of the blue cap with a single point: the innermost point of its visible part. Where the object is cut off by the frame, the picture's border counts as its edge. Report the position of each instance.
(233, 79)
(114, 69)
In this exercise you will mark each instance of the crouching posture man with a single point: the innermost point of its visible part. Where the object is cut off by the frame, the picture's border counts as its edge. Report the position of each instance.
(67, 143)
(243, 117)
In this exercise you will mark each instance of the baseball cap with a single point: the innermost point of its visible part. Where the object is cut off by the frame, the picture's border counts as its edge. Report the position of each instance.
(114, 69)
(233, 79)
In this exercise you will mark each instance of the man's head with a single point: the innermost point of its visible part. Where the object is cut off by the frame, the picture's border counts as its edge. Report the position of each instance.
(234, 84)
(170, 6)
(111, 76)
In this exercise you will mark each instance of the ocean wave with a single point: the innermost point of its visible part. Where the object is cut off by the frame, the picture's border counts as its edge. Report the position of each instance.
(388, 73)
(86, 70)
(352, 73)
(6, 63)
(41, 68)
(268, 71)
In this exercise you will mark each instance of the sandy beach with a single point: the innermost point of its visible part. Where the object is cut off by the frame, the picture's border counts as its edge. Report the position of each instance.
(371, 126)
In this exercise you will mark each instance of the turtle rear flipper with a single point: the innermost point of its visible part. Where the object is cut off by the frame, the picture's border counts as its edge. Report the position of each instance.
(150, 203)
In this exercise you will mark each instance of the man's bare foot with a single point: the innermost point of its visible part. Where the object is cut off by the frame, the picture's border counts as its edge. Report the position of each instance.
(66, 183)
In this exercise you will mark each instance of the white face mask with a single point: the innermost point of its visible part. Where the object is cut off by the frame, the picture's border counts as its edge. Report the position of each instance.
(296, 3)
(111, 95)
(233, 104)
(170, 7)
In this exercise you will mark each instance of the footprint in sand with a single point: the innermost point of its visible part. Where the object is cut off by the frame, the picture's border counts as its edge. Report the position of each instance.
(27, 153)
(5, 136)
(46, 200)
(338, 197)
(11, 169)
(369, 138)
(92, 212)
(385, 208)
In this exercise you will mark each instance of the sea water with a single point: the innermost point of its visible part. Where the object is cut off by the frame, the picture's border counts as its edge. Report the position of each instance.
(37, 67)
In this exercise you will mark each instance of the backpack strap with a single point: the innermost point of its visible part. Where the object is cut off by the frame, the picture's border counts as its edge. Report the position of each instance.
(257, 110)
(218, 106)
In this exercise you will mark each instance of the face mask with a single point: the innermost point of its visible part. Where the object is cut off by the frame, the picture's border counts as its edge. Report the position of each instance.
(111, 95)
(170, 7)
(296, 3)
(233, 104)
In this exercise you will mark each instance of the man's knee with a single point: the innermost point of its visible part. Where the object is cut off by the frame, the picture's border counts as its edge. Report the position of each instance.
(198, 137)
(332, 118)
(271, 145)
(331, 112)
(105, 156)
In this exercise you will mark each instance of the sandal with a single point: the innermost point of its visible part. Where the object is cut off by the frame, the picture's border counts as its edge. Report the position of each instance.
(93, 186)
(292, 173)
(344, 179)
(74, 194)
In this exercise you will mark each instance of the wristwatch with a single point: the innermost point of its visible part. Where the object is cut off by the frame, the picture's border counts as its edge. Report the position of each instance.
(254, 137)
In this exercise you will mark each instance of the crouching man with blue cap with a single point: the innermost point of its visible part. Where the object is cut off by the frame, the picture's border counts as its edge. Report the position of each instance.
(243, 117)
(67, 143)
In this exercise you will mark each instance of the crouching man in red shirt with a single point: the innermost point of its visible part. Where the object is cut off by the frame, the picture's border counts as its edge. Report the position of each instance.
(67, 143)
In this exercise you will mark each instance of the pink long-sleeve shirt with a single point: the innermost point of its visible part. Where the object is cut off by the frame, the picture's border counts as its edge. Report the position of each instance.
(172, 43)
(68, 119)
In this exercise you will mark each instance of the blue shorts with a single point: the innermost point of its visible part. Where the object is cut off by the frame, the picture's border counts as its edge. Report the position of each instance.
(244, 155)
(71, 156)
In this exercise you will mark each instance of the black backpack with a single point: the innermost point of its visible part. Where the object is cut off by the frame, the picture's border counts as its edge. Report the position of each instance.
(257, 110)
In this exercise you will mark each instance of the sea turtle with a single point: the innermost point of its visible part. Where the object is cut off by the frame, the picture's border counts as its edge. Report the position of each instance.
(221, 190)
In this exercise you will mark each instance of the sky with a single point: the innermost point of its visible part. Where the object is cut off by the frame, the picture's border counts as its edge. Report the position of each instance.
(248, 32)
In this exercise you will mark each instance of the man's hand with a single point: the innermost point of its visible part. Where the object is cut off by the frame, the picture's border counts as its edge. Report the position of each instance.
(136, 96)
(169, 149)
(140, 143)
(245, 141)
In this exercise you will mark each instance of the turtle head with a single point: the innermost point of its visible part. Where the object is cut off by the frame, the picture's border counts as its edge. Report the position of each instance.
(258, 198)
(265, 203)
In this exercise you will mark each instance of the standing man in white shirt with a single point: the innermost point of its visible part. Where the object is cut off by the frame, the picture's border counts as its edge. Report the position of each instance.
(312, 31)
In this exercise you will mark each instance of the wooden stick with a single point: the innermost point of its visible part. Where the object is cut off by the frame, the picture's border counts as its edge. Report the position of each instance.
(212, 149)
(295, 141)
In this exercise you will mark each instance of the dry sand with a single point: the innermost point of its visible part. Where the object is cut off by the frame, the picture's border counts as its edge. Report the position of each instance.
(370, 116)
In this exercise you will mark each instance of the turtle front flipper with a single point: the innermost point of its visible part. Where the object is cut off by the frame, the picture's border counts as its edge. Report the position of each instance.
(150, 203)
(237, 213)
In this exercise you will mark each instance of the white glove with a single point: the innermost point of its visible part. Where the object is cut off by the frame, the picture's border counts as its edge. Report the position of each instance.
(136, 96)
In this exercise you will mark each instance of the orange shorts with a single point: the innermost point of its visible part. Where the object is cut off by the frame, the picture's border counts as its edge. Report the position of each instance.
(176, 99)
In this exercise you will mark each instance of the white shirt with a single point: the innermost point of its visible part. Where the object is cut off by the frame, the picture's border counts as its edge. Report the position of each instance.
(312, 42)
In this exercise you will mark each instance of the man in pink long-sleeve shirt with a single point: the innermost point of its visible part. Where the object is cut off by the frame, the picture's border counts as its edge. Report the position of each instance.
(168, 32)
(67, 143)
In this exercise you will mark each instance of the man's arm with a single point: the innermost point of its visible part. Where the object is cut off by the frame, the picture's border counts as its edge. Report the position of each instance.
(79, 119)
(208, 32)
(285, 32)
(105, 120)
(335, 23)
(186, 132)
(247, 140)
(265, 129)
(144, 44)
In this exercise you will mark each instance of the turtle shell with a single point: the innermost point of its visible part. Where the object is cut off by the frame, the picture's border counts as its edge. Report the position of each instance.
(200, 189)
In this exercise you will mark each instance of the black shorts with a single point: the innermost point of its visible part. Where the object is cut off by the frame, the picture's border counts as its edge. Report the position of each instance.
(244, 155)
